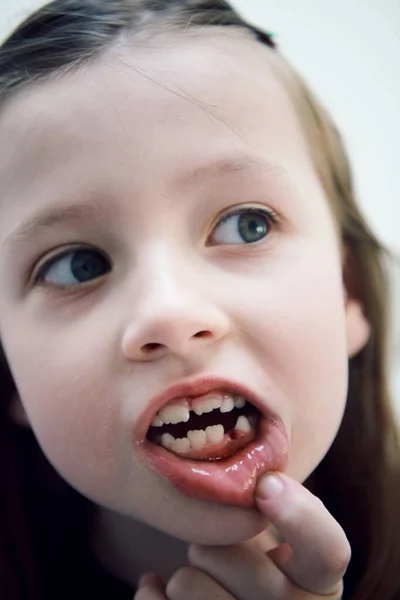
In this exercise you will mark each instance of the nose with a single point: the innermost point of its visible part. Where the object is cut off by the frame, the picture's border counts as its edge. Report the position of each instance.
(170, 320)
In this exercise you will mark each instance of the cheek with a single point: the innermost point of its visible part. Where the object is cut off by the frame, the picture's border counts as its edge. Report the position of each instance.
(298, 324)
(69, 404)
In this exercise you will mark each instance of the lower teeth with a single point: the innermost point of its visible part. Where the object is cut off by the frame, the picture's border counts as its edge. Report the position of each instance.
(200, 440)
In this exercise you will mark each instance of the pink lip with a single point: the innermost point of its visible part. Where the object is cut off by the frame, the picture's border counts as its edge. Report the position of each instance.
(228, 481)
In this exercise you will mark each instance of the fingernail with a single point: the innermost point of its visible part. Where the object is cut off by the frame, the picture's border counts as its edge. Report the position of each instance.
(269, 487)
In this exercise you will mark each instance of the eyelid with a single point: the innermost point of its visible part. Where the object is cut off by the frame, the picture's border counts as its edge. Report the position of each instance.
(246, 209)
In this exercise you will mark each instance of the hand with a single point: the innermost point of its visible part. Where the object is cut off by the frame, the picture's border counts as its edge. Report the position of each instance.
(309, 565)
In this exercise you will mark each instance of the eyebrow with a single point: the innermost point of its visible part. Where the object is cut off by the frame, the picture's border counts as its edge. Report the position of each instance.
(226, 166)
(73, 214)
(99, 211)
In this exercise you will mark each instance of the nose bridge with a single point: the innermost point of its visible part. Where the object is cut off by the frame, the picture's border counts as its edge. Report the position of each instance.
(174, 310)
(164, 276)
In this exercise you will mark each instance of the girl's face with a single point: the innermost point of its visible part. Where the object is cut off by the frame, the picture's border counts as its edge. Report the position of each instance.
(141, 154)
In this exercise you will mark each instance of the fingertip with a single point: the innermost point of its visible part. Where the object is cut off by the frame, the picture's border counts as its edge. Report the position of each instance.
(151, 580)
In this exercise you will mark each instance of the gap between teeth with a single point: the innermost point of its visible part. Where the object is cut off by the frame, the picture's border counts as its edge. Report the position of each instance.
(198, 438)
(180, 413)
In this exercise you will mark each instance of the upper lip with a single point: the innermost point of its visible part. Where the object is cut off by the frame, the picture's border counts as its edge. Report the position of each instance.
(199, 387)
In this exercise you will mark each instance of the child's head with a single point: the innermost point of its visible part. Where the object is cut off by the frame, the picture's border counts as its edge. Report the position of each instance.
(143, 124)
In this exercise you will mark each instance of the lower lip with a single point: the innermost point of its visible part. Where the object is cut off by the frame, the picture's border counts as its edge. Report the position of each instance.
(228, 481)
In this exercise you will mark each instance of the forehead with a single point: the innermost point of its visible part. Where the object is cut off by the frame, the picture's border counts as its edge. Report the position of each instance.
(161, 103)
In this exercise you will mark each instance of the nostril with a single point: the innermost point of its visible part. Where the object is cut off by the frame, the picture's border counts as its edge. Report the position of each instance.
(151, 347)
(154, 346)
(203, 334)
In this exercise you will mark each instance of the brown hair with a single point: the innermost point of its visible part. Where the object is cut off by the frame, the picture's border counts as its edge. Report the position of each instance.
(362, 493)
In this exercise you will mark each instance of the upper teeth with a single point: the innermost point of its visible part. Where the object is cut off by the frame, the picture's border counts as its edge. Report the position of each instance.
(173, 414)
(206, 406)
(179, 412)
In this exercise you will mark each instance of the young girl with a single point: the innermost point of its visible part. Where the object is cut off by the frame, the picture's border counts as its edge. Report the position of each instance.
(211, 404)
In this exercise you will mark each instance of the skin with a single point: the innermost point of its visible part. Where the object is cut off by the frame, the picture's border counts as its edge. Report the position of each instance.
(276, 311)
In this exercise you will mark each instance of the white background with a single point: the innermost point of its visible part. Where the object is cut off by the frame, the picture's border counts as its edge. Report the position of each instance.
(349, 51)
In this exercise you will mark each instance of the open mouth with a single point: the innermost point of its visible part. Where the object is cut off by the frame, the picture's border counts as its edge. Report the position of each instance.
(211, 439)
(212, 428)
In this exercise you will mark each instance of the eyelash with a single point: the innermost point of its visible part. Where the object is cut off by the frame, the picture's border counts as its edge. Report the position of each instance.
(38, 279)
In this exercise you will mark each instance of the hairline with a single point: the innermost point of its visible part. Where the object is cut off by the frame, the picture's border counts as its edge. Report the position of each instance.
(164, 28)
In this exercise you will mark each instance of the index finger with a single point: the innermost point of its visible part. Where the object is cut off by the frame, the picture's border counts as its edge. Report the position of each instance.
(316, 552)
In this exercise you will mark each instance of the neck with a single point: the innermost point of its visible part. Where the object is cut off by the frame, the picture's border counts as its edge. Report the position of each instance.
(128, 549)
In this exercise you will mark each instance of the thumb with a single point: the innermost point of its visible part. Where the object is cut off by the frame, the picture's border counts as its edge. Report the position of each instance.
(268, 488)
(316, 552)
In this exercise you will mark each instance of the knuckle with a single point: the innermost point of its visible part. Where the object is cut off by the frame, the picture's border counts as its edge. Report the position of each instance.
(342, 560)
(181, 584)
(339, 590)
(338, 561)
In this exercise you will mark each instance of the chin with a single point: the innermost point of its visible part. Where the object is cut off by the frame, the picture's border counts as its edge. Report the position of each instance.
(218, 525)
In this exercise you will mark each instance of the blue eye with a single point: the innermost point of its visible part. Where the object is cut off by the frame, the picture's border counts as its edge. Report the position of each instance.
(74, 268)
(244, 225)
